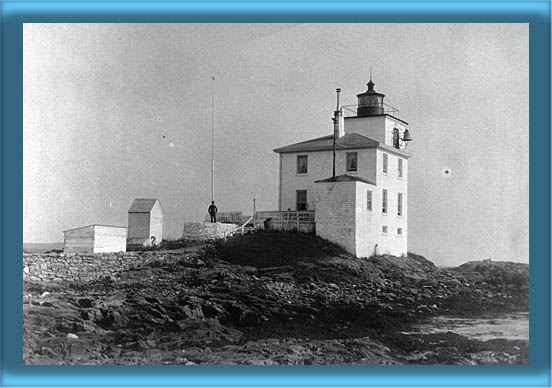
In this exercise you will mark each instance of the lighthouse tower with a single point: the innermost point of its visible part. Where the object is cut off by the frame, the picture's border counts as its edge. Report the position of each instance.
(377, 120)
(355, 180)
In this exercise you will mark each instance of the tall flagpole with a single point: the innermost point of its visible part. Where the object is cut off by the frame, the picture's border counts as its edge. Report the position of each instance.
(213, 143)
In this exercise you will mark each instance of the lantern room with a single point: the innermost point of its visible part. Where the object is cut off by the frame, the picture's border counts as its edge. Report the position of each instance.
(370, 103)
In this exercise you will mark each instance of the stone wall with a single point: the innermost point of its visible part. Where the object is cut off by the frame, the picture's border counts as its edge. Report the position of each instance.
(74, 267)
(203, 231)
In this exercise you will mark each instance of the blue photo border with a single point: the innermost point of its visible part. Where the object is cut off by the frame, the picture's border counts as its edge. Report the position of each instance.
(14, 14)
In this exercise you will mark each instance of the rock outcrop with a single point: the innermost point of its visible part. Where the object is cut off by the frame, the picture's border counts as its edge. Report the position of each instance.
(265, 298)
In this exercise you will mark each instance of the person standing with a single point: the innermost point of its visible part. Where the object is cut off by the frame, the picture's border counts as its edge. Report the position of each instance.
(213, 211)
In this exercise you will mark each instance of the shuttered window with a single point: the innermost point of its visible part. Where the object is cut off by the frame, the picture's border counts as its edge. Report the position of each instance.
(384, 201)
(385, 163)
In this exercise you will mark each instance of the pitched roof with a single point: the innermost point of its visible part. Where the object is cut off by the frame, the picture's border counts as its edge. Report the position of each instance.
(345, 178)
(93, 225)
(142, 205)
(348, 141)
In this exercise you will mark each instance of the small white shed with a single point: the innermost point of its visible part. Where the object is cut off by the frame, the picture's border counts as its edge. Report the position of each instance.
(95, 239)
(145, 223)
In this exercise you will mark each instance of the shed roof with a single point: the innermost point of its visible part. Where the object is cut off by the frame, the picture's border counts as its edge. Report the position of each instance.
(345, 142)
(142, 205)
(345, 178)
(92, 225)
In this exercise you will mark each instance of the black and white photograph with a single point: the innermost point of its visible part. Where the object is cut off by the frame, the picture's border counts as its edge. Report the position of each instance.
(275, 194)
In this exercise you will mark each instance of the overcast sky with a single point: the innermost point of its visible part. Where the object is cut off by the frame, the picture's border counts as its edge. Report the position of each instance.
(118, 111)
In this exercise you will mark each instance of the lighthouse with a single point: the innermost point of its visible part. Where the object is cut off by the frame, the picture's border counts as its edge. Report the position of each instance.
(355, 179)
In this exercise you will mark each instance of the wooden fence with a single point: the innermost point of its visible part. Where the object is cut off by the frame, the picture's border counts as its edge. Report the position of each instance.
(240, 228)
(302, 221)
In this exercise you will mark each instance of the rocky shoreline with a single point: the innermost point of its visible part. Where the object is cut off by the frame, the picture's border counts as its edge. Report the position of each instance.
(272, 298)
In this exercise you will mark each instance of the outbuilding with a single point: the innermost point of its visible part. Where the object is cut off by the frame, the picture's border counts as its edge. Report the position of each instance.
(145, 223)
(95, 239)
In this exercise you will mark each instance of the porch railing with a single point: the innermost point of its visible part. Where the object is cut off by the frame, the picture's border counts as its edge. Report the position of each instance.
(286, 220)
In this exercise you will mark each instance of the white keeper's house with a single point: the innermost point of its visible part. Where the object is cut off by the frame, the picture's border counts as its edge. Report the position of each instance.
(356, 180)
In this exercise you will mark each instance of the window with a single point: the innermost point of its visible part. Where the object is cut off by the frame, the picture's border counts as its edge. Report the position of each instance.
(384, 201)
(351, 161)
(399, 204)
(369, 200)
(399, 231)
(396, 138)
(302, 164)
(302, 200)
(385, 163)
(400, 168)
(384, 229)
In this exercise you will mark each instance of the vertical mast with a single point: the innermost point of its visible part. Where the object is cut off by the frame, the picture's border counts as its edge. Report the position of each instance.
(336, 129)
(333, 163)
(213, 142)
